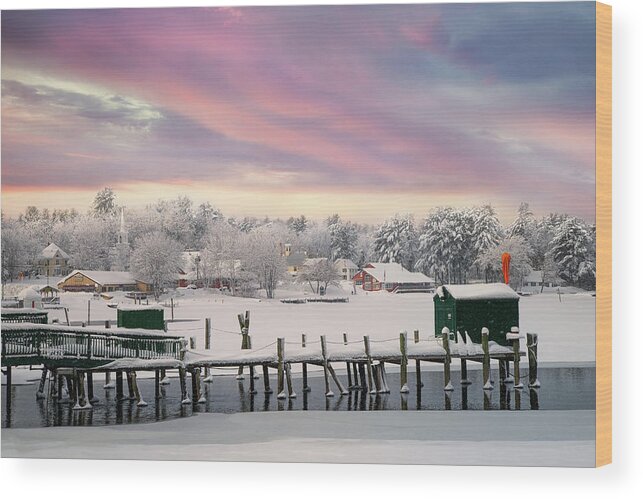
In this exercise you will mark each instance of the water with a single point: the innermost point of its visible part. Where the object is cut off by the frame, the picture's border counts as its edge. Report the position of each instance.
(563, 388)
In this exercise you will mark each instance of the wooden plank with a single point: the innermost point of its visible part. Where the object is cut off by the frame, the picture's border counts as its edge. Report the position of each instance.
(603, 234)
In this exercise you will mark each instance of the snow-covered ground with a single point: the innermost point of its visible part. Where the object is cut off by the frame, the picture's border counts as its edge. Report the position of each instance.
(565, 325)
(534, 438)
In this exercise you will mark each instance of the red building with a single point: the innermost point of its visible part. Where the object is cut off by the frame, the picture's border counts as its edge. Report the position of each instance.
(393, 278)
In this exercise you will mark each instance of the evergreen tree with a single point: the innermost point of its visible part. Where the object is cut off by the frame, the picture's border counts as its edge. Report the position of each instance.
(573, 250)
(396, 241)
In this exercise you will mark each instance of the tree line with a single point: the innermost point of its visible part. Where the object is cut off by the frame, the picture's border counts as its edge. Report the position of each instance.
(452, 245)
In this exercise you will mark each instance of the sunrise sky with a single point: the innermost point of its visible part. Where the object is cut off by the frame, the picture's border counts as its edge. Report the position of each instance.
(362, 110)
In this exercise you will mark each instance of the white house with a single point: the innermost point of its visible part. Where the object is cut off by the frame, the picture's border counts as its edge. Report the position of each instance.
(346, 268)
(534, 282)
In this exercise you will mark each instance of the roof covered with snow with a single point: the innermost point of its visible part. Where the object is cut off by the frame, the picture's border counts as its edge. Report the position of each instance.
(130, 308)
(492, 291)
(51, 251)
(394, 272)
(103, 277)
(295, 259)
(345, 263)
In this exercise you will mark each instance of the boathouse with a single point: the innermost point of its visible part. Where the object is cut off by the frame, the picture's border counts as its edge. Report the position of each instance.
(470, 307)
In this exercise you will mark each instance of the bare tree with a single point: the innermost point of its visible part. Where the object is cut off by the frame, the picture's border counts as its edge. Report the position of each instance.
(321, 272)
(156, 261)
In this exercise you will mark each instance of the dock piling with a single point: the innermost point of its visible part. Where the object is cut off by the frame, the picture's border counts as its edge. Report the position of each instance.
(486, 361)
(447, 360)
(532, 353)
(404, 387)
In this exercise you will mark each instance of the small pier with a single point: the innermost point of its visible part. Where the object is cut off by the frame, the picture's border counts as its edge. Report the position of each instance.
(71, 356)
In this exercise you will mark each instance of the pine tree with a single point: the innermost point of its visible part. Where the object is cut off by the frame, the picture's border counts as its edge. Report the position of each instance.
(523, 224)
(573, 250)
(396, 241)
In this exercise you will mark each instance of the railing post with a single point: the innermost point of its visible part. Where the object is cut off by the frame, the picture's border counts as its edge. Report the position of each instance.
(448, 387)
(486, 360)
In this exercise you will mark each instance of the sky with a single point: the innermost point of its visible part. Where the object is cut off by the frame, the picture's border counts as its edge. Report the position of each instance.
(366, 111)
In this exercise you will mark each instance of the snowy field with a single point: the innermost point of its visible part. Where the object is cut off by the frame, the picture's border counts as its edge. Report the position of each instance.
(535, 438)
(565, 328)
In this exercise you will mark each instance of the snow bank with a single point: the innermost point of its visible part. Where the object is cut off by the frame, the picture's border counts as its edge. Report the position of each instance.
(116, 332)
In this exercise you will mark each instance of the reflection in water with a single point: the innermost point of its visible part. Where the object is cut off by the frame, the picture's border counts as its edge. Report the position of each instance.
(562, 388)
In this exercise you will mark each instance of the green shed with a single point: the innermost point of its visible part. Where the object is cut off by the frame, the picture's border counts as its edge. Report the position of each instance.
(470, 307)
(140, 317)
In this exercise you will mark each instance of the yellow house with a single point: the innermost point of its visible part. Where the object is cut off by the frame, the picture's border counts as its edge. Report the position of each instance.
(53, 261)
(101, 281)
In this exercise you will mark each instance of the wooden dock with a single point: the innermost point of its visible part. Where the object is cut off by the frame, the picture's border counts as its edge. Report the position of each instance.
(71, 356)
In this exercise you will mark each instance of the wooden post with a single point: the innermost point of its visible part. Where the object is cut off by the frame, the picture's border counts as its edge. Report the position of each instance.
(486, 361)
(329, 392)
(90, 388)
(66, 315)
(253, 390)
(337, 381)
(196, 385)
(207, 333)
(119, 385)
(81, 398)
(244, 325)
(281, 343)
(137, 393)
(516, 347)
(304, 367)
(502, 371)
(362, 376)
(89, 308)
(418, 370)
(369, 364)
(40, 394)
(532, 353)
(184, 391)
(377, 378)
(348, 366)
(291, 391)
(172, 308)
(130, 386)
(404, 387)
(8, 389)
(385, 387)
(192, 342)
(355, 377)
(447, 360)
(157, 384)
(266, 379)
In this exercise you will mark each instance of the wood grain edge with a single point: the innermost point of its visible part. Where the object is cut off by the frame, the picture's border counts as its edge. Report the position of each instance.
(603, 234)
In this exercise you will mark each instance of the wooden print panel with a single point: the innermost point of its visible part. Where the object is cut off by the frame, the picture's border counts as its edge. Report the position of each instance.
(603, 234)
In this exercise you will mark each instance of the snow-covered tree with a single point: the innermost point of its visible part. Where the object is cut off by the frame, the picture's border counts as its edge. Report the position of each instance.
(91, 242)
(520, 265)
(262, 257)
(573, 250)
(204, 216)
(222, 250)
(343, 237)
(396, 241)
(298, 224)
(321, 272)
(104, 202)
(446, 246)
(19, 249)
(156, 259)
(315, 242)
(523, 224)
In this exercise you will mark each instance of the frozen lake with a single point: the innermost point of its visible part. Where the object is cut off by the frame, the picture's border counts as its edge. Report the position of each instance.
(563, 388)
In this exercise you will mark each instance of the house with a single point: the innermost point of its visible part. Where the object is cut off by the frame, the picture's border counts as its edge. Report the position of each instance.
(393, 278)
(534, 282)
(100, 281)
(294, 262)
(346, 268)
(53, 261)
(191, 270)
